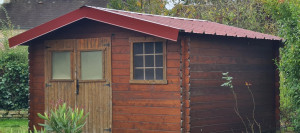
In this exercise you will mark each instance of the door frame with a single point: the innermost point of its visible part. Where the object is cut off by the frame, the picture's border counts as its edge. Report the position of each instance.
(74, 72)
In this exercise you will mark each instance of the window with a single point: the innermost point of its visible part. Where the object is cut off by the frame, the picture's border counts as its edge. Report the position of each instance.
(61, 68)
(91, 65)
(148, 61)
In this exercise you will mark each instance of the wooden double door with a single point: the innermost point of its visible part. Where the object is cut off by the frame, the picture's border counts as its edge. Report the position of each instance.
(78, 72)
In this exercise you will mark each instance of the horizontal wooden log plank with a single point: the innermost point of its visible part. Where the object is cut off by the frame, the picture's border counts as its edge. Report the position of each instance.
(173, 71)
(231, 68)
(145, 95)
(120, 57)
(259, 117)
(216, 112)
(228, 104)
(147, 125)
(229, 44)
(147, 118)
(146, 110)
(226, 127)
(120, 64)
(232, 53)
(146, 102)
(121, 50)
(173, 63)
(216, 83)
(220, 90)
(122, 130)
(229, 60)
(120, 42)
(173, 55)
(157, 88)
(126, 79)
(229, 97)
(243, 75)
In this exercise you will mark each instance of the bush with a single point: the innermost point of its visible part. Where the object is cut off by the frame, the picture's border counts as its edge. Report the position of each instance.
(64, 119)
(13, 70)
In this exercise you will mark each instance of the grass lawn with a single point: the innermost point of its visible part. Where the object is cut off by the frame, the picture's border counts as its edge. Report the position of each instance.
(13, 125)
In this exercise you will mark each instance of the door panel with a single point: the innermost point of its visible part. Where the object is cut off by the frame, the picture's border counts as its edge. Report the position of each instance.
(59, 88)
(93, 93)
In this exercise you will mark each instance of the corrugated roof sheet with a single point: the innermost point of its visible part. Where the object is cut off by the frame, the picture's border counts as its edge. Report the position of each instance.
(194, 25)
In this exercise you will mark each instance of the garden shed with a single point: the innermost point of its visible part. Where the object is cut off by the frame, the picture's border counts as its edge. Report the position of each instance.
(136, 72)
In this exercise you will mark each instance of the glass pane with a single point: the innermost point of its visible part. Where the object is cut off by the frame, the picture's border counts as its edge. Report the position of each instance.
(158, 47)
(159, 74)
(137, 48)
(149, 60)
(138, 74)
(138, 61)
(91, 65)
(149, 48)
(149, 74)
(61, 68)
(158, 60)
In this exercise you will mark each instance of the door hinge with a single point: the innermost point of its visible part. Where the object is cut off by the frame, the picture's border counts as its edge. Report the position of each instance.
(107, 45)
(107, 129)
(108, 84)
(48, 84)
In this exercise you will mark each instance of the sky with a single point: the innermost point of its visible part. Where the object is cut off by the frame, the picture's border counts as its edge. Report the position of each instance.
(169, 6)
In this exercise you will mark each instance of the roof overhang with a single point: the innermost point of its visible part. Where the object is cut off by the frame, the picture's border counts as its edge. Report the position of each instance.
(111, 18)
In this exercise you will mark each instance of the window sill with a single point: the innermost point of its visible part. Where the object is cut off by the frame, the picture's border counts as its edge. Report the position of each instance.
(148, 81)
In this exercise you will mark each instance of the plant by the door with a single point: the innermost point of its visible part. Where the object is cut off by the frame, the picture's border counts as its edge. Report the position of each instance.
(63, 119)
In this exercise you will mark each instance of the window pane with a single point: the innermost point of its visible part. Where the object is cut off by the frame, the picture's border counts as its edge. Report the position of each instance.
(149, 48)
(149, 74)
(138, 74)
(138, 61)
(158, 60)
(61, 68)
(149, 60)
(91, 65)
(158, 47)
(159, 74)
(137, 48)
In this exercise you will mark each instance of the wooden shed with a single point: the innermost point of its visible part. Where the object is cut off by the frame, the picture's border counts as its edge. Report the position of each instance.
(138, 72)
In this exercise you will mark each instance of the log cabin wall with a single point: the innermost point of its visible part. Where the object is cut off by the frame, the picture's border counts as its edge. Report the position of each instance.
(36, 83)
(136, 107)
(245, 60)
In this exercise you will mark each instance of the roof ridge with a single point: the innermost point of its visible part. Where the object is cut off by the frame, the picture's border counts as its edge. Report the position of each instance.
(180, 18)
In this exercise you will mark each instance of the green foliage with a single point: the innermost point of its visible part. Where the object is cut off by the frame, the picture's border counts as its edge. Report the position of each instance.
(287, 14)
(144, 6)
(64, 119)
(13, 71)
(247, 14)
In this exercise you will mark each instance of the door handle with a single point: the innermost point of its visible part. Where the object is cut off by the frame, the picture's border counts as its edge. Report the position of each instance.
(77, 87)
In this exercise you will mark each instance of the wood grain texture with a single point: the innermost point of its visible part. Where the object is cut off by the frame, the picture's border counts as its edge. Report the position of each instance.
(245, 60)
(135, 107)
(36, 84)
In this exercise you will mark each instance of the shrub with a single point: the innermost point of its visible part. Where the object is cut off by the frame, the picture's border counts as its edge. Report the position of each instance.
(64, 119)
(13, 70)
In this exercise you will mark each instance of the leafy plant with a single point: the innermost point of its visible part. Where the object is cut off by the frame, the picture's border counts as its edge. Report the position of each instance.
(64, 119)
(251, 124)
(287, 15)
(13, 70)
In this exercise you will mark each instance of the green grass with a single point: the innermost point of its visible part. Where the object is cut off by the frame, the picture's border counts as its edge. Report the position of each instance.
(13, 125)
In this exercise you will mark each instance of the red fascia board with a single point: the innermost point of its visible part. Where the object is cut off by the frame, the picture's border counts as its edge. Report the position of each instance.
(46, 28)
(98, 15)
(134, 24)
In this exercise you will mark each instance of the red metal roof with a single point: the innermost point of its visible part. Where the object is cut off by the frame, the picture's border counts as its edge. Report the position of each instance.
(156, 25)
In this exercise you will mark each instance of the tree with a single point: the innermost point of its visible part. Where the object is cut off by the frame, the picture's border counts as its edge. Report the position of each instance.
(247, 14)
(287, 14)
(143, 6)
